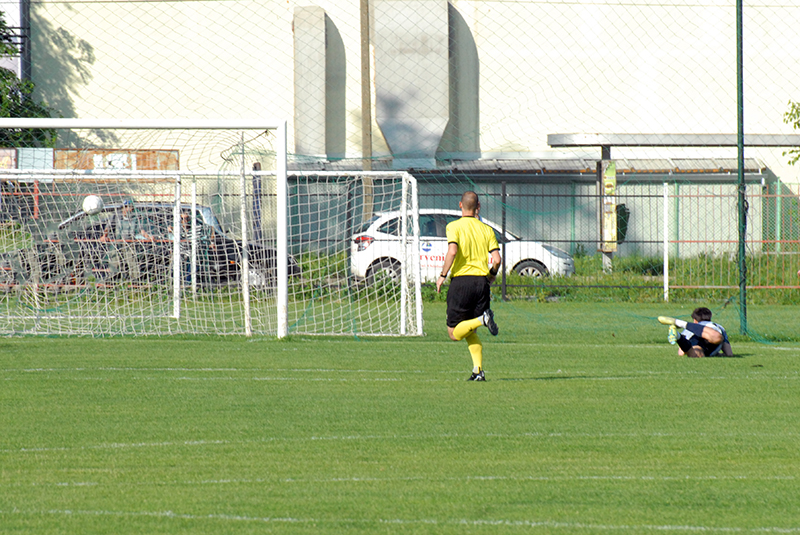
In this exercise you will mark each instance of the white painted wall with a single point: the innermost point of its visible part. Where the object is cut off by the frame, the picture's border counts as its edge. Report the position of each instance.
(552, 66)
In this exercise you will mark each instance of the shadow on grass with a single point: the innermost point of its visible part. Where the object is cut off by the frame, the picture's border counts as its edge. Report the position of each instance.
(564, 378)
(723, 357)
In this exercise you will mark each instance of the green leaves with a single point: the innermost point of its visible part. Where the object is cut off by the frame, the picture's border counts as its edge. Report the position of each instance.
(792, 117)
(16, 101)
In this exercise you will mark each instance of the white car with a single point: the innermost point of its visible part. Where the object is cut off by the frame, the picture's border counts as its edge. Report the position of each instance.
(376, 248)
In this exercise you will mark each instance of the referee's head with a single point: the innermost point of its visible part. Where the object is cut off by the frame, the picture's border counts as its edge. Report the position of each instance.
(469, 201)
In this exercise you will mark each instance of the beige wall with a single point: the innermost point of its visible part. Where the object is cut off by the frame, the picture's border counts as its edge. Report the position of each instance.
(545, 67)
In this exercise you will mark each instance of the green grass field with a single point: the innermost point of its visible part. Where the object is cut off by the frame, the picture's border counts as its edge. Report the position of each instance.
(588, 423)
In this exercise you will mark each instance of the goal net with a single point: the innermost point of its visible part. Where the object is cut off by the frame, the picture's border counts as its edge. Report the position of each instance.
(194, 228)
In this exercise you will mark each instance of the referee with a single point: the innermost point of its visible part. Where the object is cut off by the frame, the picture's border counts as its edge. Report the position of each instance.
(469, 244)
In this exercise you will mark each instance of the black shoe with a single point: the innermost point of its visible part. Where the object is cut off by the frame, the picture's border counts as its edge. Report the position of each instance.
(488, 320)
(477, 376)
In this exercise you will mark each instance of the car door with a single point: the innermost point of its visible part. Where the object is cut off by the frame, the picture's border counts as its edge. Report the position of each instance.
(498, 233)
(432, 246)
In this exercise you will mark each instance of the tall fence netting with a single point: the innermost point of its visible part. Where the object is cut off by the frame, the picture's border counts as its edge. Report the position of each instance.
(462, 94)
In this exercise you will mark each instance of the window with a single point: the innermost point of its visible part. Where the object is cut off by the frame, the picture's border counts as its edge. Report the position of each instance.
(427, 226)
(391, 227)
(444, 220)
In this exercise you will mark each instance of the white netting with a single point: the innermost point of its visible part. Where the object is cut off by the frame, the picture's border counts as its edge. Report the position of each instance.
(123, 269)
(327, 211)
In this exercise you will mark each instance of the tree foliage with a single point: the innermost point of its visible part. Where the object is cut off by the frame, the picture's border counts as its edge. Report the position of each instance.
(16, 100)
(792, 117)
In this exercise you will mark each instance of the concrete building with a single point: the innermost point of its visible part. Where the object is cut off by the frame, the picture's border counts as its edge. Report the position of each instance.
(459, 80)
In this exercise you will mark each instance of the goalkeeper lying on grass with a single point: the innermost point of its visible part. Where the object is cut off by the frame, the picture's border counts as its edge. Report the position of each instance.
(701, 338)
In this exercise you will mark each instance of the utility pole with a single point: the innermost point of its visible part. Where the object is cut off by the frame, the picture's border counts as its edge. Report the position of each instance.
(366, 90)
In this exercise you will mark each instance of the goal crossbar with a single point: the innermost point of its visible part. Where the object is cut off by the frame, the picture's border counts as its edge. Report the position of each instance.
(146, 124)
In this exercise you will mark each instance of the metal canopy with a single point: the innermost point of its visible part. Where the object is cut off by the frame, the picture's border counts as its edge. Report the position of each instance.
(571, 169)
(671, 140)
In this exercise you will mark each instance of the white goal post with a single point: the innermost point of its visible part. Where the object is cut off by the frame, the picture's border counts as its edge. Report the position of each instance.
(252, 258)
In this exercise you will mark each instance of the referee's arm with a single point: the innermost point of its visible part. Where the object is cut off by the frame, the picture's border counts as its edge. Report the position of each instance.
(497, 262)
(452, 249)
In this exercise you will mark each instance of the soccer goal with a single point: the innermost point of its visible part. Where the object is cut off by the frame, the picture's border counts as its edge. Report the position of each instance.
(171, 227)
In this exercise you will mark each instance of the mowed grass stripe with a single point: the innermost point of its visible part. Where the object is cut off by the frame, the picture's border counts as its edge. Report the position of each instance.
(354, 436)
(384, 522)
(356, 479)
(201, 443)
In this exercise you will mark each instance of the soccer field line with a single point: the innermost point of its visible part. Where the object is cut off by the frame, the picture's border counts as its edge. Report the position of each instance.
(393, 437)
(210, 370)
(539, 377)
(573, 374)
(546, 524)
(450, 376)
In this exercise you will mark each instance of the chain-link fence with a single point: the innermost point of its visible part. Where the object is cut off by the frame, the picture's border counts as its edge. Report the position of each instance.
(688, 229)
(475, 93)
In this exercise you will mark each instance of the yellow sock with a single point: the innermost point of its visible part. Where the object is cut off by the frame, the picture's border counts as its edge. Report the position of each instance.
(467, 327)
(476, 350)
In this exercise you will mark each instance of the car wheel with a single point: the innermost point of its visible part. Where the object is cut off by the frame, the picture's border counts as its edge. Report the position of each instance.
(531, 268)
(384, 270)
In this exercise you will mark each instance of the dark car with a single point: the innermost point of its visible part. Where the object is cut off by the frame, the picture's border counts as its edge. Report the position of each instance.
(133, 242)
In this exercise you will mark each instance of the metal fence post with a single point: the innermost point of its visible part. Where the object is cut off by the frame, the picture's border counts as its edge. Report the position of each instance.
(503, 245)
(742, 202)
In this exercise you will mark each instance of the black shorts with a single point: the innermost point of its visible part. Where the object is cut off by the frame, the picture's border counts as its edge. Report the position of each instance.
(709, 349)
(468, 297)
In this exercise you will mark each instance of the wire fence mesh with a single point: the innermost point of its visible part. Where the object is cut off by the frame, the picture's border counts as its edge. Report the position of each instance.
(468, 94)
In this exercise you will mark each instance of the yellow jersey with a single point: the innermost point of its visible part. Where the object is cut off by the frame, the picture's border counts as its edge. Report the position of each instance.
(475, 241)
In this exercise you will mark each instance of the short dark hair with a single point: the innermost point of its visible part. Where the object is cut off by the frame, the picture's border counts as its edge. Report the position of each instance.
(702, 314)
(469, 200)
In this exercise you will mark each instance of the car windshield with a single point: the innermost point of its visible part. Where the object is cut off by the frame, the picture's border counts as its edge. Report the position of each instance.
(83, 227)
(158, 216)
(436, 224)
(432, 224)
(210, 219)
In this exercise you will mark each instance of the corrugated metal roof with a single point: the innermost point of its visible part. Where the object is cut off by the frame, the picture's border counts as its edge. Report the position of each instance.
(649, 165)
(548, 166)
(574, 166)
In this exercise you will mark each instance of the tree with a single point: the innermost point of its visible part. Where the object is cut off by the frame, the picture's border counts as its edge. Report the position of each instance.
(16, 101)
(792, 117)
